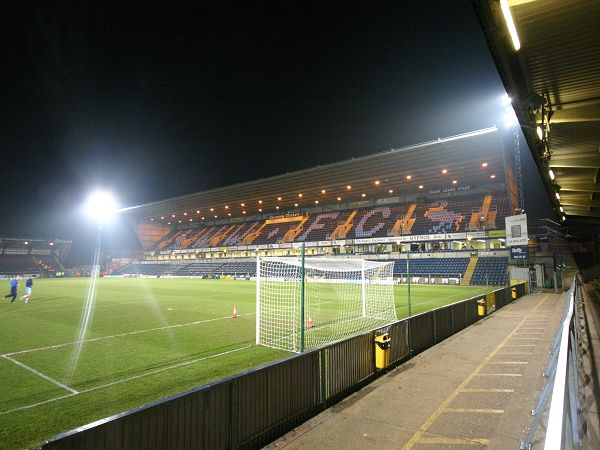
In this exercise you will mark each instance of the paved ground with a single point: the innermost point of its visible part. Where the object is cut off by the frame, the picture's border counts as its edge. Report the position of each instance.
(474, 390)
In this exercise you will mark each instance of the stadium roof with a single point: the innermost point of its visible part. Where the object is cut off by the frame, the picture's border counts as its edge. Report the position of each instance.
(401, 171)
(554, 80)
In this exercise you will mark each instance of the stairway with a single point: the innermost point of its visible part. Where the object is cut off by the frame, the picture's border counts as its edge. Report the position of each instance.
(217, 239)
(290, 235)
(342, 230)
(466, 279)
(408, 220)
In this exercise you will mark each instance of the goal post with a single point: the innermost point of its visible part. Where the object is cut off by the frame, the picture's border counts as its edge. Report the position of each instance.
(306, 303)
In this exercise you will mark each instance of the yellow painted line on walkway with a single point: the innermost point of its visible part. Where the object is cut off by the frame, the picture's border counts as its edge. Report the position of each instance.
(508, 362)
(423, 429)
(540, 304)
(453, 441)
(484, 390)
(523, 338)
(520, 345)
(515, 353)
(475, 410)
(498, 375)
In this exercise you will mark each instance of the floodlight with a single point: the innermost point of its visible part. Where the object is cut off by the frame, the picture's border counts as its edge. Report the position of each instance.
(100, 206)
(540, 133)
(551, 174)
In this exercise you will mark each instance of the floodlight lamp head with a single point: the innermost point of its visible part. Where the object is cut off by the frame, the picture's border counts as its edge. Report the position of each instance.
(100, 206)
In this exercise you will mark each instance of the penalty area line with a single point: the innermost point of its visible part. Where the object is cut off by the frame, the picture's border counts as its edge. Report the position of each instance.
(125, 380)
(40, 374)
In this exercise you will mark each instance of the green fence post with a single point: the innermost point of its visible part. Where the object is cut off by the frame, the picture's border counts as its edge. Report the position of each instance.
(302, 275)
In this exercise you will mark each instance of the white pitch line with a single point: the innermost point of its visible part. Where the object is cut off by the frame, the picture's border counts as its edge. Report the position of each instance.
(135, 377)
(120, 335)
(40, 374)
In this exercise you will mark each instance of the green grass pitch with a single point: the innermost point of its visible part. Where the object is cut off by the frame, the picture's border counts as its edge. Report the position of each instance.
(146, 339)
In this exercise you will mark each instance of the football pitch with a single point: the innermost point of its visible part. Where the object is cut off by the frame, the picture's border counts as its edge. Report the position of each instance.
(143, 339)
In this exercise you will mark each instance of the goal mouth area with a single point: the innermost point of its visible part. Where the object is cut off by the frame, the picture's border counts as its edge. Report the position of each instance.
(307, 303)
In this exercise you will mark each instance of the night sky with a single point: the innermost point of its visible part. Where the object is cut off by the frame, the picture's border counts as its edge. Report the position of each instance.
(159, 99)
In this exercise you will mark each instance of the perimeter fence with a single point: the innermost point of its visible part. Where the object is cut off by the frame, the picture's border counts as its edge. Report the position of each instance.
(253, 408)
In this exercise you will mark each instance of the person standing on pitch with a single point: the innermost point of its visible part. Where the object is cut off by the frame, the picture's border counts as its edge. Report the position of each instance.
(28, 285)
(14, 283)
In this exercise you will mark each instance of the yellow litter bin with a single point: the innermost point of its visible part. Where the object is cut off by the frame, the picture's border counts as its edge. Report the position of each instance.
(513, 292)
(481, 307)
(382, 351)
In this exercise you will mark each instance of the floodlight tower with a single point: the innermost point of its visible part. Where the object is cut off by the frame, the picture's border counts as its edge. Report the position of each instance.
(513, 122)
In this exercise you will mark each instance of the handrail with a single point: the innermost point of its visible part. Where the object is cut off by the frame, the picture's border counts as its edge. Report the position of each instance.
(562, 387)
(554, 430)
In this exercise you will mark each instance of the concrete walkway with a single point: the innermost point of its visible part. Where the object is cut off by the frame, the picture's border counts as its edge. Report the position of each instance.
(474, 390)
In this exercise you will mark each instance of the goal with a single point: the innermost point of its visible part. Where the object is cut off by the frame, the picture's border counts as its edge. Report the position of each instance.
(303, 304)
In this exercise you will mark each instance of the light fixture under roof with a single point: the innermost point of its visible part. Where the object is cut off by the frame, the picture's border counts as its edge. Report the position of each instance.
(296, 204)
(492, 176)
(242, 204)
(454, 181)
(243, 212)
(152, 218)
(226, 206)
(190, 220)
(557, 195)
(377, 182)
(212, 209)
(391, 191)
(277, 207)
(185, 214)
(198, 212)
(259, 209)
(363, 195)
(300, 195)
(510, 24)
(260, 202)
(409, 177)
(444, 171)
(278, 199)
(551, 174)
(168, 223)
(348, 187)
(561, 209)
(339, 199)
(316, 202)
(162, 217)
(229, 214)
(323, 191)
(172, 215)
(484, 164)
(420, 186)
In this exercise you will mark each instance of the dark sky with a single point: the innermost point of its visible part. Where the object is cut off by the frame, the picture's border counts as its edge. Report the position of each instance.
(159, 99)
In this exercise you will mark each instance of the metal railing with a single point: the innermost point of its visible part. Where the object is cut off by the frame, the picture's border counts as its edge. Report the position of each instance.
(562, 388)
(252, 409)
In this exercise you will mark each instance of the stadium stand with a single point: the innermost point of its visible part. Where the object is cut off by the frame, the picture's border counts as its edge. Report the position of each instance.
(433, 216)
(490, 270)
(376, 222)
(16, 264)
(320, 227)
(432, 266)
(239, 233)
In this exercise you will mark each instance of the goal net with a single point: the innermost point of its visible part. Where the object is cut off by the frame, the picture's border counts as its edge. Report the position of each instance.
(301, 308)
